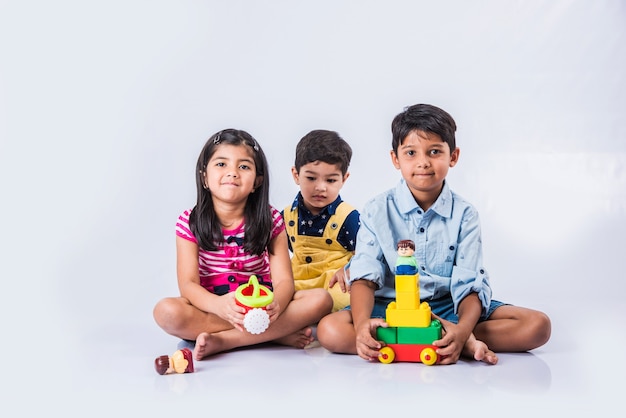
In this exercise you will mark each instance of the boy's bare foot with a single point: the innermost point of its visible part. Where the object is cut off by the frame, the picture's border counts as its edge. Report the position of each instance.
(479, 351)
(206, 344)
(298, 339)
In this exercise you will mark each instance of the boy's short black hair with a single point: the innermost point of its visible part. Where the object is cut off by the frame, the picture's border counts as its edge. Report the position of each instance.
(325, 146)
(423, 117)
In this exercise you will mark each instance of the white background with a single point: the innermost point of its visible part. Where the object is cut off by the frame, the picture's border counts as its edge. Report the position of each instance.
(105, 105)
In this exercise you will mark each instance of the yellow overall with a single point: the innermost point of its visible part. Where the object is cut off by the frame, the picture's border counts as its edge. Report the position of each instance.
(316, 259)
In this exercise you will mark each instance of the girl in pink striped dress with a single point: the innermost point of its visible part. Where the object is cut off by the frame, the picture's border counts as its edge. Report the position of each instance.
(230, 234)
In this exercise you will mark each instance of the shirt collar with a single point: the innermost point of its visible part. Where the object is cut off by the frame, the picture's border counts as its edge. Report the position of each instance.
(407, 203)
(298, 202)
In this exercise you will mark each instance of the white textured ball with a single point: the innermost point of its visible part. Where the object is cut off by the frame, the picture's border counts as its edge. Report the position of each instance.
(256, 321)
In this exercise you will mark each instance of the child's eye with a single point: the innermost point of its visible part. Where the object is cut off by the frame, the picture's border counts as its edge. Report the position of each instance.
(435, 152)
(331, 181)
(220, 164)
(244, 167)
(310, 178)
(410, 153)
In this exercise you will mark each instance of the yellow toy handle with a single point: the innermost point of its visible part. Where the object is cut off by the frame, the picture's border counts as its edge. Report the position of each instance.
(254, 282)
(256, 299)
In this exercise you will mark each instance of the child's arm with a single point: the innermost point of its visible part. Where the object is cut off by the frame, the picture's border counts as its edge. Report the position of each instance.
(189, 285)
(281, 274)
(456, 335)
(341, 276)
(361, 306)
(468, 273)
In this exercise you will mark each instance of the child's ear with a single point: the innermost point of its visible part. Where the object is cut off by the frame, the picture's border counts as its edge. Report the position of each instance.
(394, 159)
(345, 176)
(294, 174)
(454, 157)
(258, 181)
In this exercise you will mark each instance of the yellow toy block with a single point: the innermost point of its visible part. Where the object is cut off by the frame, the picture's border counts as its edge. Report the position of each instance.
(407, 283)
(408, 318)
(407, 301)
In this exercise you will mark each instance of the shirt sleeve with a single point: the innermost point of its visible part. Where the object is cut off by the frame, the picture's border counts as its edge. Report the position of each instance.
(468, 273)
(368, 262)
(278, 223)
(182, 227)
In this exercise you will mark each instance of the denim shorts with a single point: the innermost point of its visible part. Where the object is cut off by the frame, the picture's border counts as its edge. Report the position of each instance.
(442, 307)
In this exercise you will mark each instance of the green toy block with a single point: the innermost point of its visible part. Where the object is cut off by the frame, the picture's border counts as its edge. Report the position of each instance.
(387, 335)
(416, 335)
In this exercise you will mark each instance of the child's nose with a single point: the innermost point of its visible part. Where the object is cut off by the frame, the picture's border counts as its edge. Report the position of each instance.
(423, 161)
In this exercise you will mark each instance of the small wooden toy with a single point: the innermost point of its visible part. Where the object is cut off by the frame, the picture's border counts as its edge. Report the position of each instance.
(180, 362)
(411, 330)
(254, 297)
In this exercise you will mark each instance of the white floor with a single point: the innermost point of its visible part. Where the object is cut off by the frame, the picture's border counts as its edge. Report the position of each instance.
(109, 371)
(278, 381)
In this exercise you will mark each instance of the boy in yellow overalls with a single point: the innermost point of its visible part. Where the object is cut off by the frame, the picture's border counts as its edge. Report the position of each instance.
(321, 227)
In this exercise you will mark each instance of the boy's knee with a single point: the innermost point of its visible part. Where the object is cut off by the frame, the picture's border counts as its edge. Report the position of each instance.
(322, 298)
(317, 299)
(329, 334)
(543, 329)
(537, 329)
(324, 332)
(326, 301)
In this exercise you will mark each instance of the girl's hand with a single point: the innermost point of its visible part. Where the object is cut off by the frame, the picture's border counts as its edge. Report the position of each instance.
(273, 310)
(230, 311)
(367, 347)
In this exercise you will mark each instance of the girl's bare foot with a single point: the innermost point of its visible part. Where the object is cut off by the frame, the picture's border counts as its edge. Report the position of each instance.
(206, 344)
(479, 351)
(298, 339)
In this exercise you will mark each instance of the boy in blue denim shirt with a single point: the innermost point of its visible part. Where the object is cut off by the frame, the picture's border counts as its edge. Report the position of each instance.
(448, 249)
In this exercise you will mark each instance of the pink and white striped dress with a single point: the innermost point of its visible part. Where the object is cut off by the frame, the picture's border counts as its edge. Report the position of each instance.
(223, 270)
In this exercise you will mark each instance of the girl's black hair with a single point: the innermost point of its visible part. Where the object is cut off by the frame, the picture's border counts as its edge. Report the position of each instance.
(203, 220)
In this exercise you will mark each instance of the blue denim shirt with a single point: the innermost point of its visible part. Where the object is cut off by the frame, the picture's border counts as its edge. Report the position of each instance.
(448, 245)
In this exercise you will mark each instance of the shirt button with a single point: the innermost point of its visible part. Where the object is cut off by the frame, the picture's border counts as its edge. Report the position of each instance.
(482, 271)
(423, 268)
(452, 248)
(293, 239)
(308, 259)
(421, 229)
(291, 223)
(232, 279)
(329, 241)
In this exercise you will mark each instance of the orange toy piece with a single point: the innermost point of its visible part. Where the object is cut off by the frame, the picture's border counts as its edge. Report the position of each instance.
(180, 362)
(254, 297)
